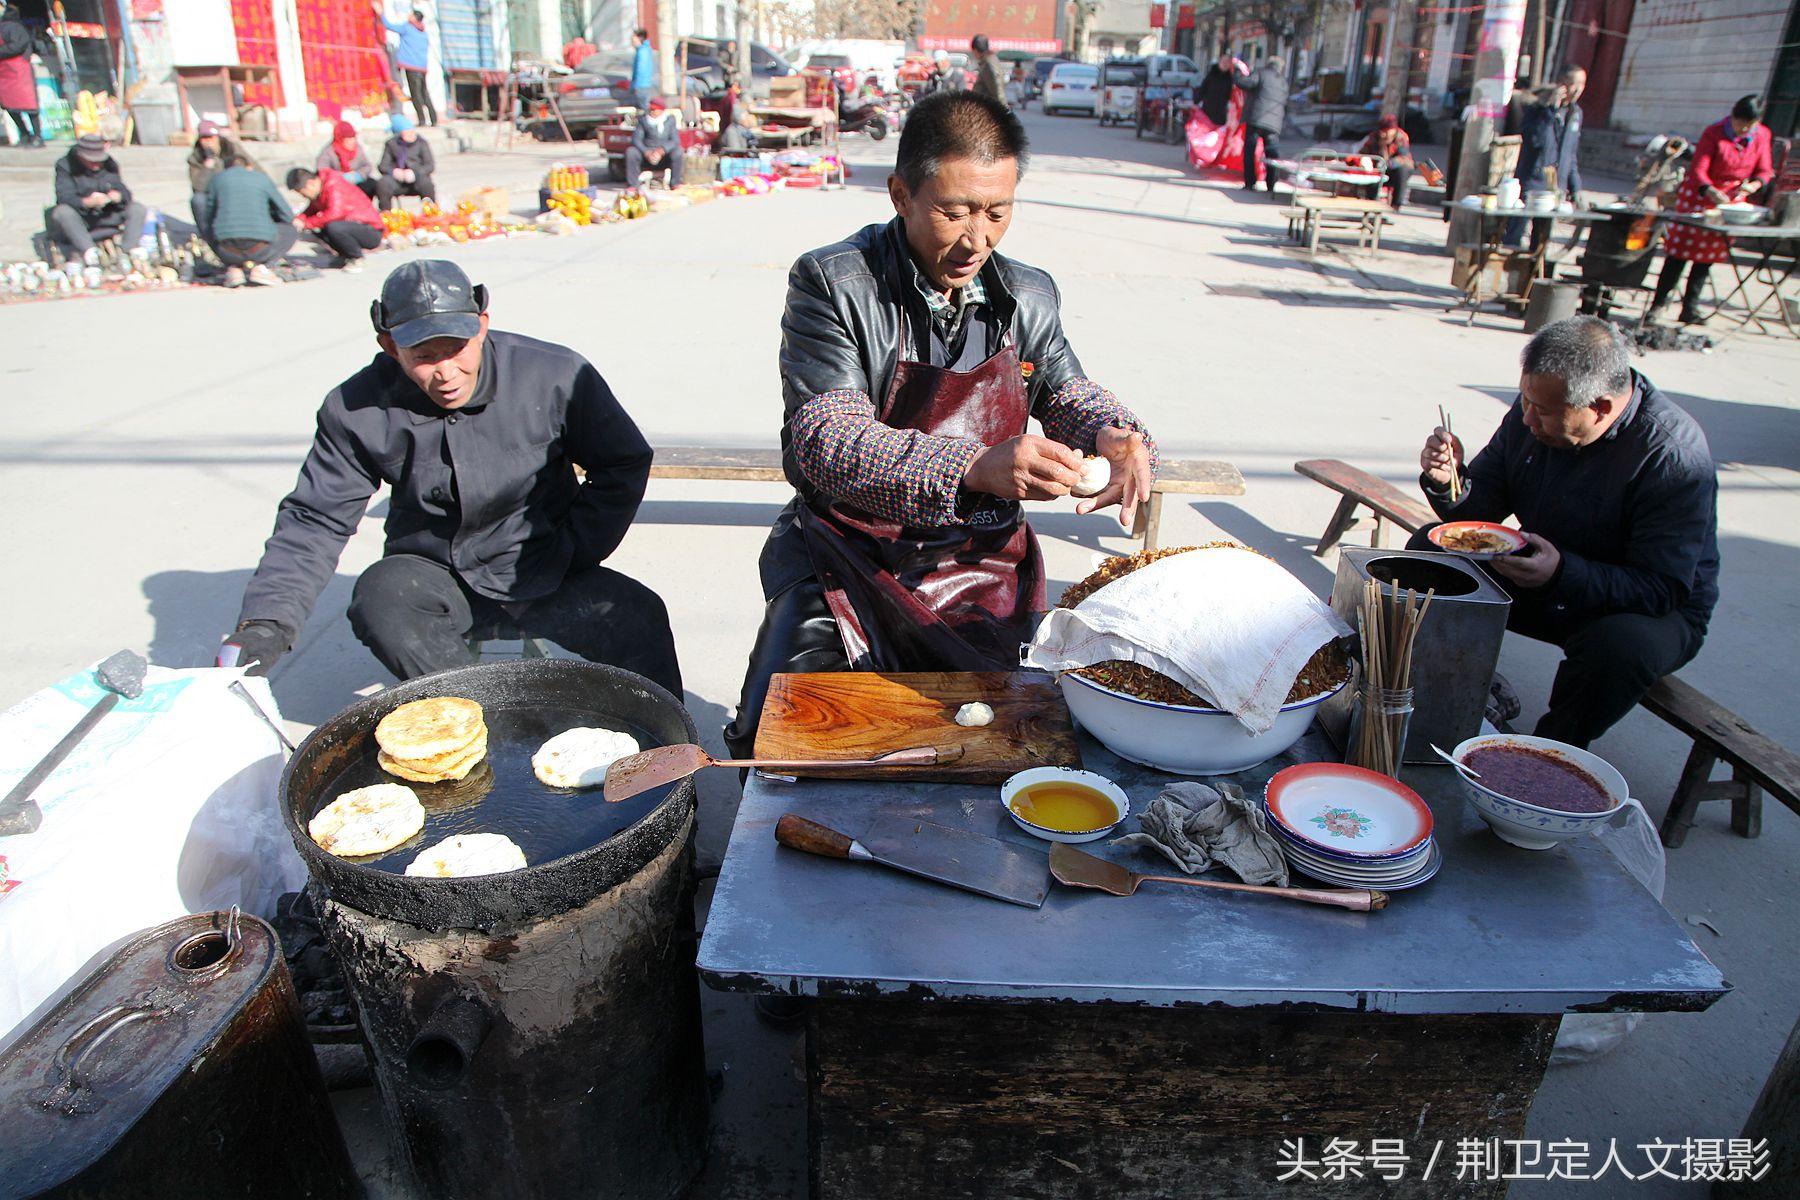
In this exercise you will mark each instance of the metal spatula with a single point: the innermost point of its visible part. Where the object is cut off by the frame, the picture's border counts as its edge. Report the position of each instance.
(1077, 869)
(638, 773)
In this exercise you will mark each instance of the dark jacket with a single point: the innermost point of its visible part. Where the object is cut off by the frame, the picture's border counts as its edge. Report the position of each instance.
(645, 137)
(419, 157)
(853, 314)
(489, 490)
(1213, 93)
(1634, 515)
(987, 78)
(1547, 141)
(1267, 88)
(201, 172)
(244, 203)
(75, 179)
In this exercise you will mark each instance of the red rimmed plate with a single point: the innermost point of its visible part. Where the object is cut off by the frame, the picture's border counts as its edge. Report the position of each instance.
(1515, 541)
(1347, 811)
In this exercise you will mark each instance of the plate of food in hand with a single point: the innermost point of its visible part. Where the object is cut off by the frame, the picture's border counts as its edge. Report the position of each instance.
(1477, 539)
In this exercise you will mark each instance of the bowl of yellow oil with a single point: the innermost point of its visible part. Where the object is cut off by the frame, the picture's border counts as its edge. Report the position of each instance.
(1060, 804)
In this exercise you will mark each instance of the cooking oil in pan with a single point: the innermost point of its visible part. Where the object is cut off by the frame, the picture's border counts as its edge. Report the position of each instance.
(502, 795)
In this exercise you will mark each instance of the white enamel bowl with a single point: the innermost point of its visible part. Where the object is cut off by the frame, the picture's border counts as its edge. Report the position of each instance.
(1180, 739)
(1100, 783)
(1527, 825)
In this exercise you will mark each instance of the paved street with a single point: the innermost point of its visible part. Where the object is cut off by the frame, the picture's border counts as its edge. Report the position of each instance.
(149, 438)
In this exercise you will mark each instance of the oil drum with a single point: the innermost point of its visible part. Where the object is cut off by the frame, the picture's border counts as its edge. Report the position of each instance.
(534, 1033)
(178, 1067)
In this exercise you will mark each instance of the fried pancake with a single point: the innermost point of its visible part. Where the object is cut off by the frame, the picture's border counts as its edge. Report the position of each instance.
(370, 820)
(433, 728)
(468, 854)
(578, 758)
(437, 770)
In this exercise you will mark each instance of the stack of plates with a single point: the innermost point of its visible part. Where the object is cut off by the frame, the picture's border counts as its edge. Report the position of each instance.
(1352, 827)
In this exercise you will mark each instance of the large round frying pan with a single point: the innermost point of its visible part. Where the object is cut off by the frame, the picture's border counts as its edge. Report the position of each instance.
(576, 844)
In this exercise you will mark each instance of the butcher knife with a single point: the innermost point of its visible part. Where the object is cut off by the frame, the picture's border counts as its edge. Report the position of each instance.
(983, 865)
(122, 676)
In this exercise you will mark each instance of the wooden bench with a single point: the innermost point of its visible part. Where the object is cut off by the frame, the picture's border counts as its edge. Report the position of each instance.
(1178, 476)
(1359, 490)
(1757, 764)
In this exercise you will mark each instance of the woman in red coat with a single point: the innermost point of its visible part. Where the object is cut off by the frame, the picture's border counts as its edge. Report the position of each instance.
(18, 84)
(1731, 163)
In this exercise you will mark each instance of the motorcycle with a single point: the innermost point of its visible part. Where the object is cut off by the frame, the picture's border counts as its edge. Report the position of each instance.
(871, 119)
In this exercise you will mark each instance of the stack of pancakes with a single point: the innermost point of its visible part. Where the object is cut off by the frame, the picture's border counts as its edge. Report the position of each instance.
(432, 741)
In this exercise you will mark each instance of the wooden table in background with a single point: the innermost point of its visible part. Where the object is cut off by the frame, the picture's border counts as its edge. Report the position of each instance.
(224, 77)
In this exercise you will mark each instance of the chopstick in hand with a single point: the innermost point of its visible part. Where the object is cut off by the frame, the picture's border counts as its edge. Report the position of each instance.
(1455, 477)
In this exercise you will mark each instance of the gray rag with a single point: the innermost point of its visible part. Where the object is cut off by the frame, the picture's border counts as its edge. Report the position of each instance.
(1197, 827)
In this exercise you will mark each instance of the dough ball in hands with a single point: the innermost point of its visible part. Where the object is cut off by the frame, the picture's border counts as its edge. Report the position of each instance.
(1096, 473)
(578, 758)
(370, 820)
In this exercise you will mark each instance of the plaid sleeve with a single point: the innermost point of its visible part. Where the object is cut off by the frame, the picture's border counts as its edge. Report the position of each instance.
(899, 474)
(1080, 409)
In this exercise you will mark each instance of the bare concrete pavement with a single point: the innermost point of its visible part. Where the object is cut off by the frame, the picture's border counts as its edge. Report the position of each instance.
(149, 438)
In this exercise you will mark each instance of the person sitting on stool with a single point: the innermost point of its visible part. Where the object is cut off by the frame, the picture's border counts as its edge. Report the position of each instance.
(248, 224)
(339, 214)
(478, 434)
(406, 164)
(655, 145)
(92, 203)
(1616, 491)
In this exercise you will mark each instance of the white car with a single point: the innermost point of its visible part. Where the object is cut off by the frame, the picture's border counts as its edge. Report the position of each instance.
(1072, 87)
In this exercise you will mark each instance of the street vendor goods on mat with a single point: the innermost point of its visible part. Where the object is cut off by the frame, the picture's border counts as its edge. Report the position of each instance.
(434, 740)
(578, 758)
(370, 820)
(1217, 626)
(467, 854)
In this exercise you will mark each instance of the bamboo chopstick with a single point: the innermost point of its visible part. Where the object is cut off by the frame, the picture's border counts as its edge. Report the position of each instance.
(1455, 477)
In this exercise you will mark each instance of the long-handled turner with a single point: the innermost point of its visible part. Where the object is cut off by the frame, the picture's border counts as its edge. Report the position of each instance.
(1073, 868)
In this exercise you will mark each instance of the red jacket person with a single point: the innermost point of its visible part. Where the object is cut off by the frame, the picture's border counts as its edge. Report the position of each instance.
(913, 358)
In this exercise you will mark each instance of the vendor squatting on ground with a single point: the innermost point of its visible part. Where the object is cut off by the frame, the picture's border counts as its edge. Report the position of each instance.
(913, 358)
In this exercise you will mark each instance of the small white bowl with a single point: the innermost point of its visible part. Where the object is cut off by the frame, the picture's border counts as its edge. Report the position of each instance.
(1530, 826)
(1100, 783)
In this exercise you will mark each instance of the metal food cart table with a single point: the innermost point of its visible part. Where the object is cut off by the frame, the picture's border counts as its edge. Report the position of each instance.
(1772, 241)
(1170, 1042)
(1489, 243)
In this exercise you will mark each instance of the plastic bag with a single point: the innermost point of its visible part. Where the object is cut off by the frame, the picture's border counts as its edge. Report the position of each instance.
(1630, 837)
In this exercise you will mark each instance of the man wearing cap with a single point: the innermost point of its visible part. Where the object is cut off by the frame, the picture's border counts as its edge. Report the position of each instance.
(655, 145)
(212, 150)
(406, 164)
(479, 435)
(412, 53)
(92, 202)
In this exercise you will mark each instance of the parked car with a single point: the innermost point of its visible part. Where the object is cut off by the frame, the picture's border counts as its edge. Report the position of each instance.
(591, 95)
(1072, 87)
(1040, 72)
(1172, 70)
(765, 64)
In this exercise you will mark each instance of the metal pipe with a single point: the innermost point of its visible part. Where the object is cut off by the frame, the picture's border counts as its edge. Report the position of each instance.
(440, 1053)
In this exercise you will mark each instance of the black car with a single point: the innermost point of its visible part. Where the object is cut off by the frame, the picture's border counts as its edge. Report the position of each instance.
(1040, 71)
(703, 65)
(592, 95)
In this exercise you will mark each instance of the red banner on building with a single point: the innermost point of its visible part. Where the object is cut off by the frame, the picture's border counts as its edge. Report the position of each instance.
(1184, 17)
(1159, 15)
(1022, 26)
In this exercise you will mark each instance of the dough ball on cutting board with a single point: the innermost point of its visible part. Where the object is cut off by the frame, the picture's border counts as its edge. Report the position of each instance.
(578, 758)
(975, 715)
(468, 854)
(370, 820)
(433, 728)
(1096, 473)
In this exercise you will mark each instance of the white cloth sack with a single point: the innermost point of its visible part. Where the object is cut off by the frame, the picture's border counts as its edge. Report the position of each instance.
(167, 807)
(1226, 623)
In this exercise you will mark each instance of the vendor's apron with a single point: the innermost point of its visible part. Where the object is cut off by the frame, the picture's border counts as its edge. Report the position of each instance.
(18, 85)
(1687, 242)
(956, 598)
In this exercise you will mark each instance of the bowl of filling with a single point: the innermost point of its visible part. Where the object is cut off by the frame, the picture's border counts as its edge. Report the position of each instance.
(1535, 792)
(1061, 804)
(1476, 539)
(1149, 718)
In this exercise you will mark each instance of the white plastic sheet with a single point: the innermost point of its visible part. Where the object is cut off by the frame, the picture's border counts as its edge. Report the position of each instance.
(169, 806)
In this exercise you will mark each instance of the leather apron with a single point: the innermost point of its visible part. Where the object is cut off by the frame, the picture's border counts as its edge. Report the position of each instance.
(950, 598)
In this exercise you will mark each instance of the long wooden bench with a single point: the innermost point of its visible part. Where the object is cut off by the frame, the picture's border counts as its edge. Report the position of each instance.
(1175, 476)
(1757, 764)
(1363, 490)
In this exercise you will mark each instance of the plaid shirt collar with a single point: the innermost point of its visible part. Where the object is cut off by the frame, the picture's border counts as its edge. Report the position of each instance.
(947, 312)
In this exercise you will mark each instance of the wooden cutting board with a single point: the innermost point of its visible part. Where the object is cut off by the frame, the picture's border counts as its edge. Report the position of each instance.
(859, 714)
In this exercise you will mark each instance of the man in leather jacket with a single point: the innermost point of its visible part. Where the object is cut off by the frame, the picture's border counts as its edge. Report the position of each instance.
(911, 356)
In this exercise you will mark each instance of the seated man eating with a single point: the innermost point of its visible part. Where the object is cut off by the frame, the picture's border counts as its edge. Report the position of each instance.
(1615, 489)
(478, 435)
(912, 357)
